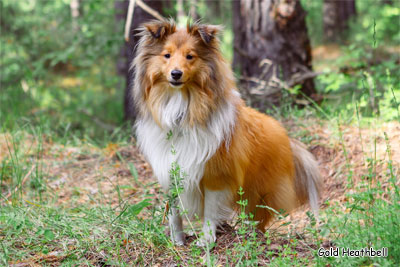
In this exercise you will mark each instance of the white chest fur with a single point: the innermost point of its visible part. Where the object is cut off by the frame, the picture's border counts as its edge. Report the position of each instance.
(194, 146)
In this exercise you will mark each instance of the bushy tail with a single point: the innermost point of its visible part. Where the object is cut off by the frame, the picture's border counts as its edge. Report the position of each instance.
(308, 183)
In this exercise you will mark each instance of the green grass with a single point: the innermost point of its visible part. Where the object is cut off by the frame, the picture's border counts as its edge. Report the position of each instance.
(77, 235)
(35, 227)
(371, 217)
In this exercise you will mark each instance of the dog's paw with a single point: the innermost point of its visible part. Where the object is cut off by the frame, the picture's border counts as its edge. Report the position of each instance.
(179, 243)
(205, 240)
(178, 239)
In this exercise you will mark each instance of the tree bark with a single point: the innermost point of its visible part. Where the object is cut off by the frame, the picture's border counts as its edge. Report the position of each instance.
(337, 15)
(272, 31)
(127, 53)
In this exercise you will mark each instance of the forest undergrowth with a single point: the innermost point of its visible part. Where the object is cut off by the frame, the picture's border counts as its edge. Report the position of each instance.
(67, 200)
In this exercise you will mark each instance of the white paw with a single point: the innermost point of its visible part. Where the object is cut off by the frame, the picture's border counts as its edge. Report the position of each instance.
(178, 239)
(206, 239)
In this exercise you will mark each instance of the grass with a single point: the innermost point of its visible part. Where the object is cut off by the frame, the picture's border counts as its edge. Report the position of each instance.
(370, 218)
(80, 234)
(74, 201)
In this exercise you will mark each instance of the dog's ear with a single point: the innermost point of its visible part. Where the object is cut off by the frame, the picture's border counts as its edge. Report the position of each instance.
(159, 29)
(207, 33)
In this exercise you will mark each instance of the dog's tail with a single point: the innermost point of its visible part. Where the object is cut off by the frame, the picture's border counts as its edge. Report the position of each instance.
(308, 182)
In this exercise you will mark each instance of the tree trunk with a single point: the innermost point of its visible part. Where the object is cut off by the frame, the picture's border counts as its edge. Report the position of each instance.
(336, 18)
(273, 33)
(128, 51)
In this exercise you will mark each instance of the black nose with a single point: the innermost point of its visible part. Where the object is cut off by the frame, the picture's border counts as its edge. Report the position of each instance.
(176, 74)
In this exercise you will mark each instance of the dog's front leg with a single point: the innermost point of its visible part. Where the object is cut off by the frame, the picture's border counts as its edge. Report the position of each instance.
(176, 227)
(211, 215)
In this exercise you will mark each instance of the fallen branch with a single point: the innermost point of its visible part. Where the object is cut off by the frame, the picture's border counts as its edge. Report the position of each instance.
(265, 88)
(299, 77)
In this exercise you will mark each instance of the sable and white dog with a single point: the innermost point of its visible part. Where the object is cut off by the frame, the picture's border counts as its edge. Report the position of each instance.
(183, 86)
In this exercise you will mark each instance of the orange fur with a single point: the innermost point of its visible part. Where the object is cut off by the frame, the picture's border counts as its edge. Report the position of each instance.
(258, 155)
(259, 160)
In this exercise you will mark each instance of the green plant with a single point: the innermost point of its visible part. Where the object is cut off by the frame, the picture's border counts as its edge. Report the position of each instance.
(248, 245)
(371, 218)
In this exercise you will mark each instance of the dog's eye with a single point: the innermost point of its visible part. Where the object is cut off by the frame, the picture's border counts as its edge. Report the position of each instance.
(167, 55)
(189, 57)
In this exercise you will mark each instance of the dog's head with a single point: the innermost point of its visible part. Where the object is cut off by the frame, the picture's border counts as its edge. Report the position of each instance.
(186, 61)
(180, 57)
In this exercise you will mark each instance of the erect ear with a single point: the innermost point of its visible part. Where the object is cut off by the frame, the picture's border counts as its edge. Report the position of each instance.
(159, 29)
(206, 32)
(209, 32)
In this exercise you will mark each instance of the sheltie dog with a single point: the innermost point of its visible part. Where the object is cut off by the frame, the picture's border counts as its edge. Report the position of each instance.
(186, 98)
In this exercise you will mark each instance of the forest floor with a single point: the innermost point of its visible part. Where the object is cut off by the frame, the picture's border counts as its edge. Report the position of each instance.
(77, 182)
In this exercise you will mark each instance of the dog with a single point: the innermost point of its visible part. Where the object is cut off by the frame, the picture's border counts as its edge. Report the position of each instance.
(186, 99)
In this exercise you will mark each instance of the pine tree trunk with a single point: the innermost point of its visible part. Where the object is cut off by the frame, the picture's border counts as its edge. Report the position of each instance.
(274, 31)
(128, 51)
(336, 18)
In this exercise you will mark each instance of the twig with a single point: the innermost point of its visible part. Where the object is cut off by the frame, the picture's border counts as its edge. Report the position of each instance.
(22, 183)
(299, 77)
(149, 10)
(128, 23)
(265, 86)
(131, 10)
(253, 79)
(166, 210)
(265, 61)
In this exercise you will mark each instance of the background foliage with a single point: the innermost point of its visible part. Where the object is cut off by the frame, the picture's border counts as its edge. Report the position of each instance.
(58, 73)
